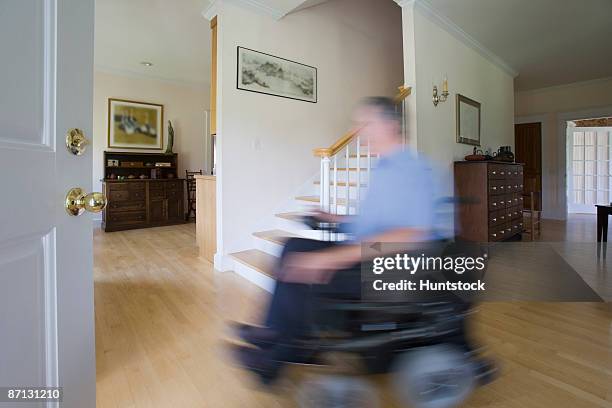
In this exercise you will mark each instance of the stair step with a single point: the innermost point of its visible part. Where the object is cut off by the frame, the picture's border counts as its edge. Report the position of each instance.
(258, 260)
(350, 169)
(275, 236)
(342, 183)
(310, 199)
(291, 216)
(315, 199)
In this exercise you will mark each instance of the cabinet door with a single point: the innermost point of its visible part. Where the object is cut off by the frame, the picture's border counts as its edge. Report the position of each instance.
(157, 210)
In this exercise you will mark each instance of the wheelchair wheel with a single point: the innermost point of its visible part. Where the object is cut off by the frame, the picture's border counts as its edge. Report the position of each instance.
(335, 391)
(438, 376)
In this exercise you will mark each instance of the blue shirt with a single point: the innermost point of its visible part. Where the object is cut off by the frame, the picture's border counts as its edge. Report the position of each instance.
(402, 194)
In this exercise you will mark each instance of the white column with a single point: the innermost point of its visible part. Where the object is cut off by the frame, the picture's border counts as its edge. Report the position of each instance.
(409, 41)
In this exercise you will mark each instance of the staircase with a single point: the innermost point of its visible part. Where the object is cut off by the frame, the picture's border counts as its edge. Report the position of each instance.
(344, 177)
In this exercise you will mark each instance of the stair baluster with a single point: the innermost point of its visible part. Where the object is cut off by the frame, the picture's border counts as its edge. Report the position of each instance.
(358, 173)
(347, 195)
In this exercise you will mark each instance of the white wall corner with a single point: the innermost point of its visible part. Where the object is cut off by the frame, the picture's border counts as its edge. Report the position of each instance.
(405, 3)
(222, 263)
(212, 10)
(425, 8)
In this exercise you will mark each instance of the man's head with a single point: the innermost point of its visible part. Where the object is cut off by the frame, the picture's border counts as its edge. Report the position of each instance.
(380, 124)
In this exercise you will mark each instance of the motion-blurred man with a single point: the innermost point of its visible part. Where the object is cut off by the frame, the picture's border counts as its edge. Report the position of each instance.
(399, 207)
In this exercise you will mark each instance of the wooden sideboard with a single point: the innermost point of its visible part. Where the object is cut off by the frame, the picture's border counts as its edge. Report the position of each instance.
(143, 203)
(491, 200)
(206, 216)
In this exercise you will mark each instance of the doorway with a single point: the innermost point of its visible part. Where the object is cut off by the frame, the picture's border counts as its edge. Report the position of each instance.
(528, 147)
(589, 166)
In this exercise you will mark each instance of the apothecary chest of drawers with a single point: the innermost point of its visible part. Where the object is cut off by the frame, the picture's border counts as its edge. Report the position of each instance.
(490, 200)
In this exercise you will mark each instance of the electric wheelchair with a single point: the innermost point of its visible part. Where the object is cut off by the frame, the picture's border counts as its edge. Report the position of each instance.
(421, 345)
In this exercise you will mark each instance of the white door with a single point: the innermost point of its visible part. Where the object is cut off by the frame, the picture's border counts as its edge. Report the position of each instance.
(589, 168)
(46, 271)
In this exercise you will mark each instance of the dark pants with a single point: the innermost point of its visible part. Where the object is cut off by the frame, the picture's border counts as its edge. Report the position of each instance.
(291, 311)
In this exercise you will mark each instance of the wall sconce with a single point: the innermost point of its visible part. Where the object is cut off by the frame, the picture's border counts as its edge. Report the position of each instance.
(441, 97)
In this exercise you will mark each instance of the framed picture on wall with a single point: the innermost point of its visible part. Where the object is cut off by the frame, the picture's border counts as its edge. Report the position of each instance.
(267, 74)
(135, 125)
(468, 121)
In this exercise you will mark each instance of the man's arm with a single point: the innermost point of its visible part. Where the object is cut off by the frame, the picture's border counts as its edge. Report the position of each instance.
(319, 266)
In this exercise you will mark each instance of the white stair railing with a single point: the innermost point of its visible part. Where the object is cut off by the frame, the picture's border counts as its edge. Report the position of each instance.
(356, 176)
(341, 151)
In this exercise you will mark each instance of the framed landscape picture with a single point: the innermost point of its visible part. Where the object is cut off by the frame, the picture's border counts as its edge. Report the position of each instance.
(468, 121)
(135, 125)
(265, 73)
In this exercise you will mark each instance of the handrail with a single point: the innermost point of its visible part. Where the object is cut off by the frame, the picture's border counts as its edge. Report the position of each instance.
(403, 93)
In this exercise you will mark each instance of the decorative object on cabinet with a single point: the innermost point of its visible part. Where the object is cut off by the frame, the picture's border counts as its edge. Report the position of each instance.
(468, 121)
(264, 73)
(135, 125)
(170, 143)
(477, 155)
(137, 164)
(504, 154)
(491, 196)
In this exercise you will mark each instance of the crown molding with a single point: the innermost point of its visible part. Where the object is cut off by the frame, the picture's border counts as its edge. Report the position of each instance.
(570, 85)
(211, 11)
(426, 9)
(258, 6)
(405, 3)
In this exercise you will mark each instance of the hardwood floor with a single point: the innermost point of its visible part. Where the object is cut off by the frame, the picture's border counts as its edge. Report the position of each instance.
(160, 326)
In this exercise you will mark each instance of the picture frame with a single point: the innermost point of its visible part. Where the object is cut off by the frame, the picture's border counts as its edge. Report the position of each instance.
(135, 125)
(468, 120)
(268, 74)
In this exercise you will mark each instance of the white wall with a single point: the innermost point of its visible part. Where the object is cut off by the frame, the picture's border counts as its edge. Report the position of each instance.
(438, 53)
(184, 105)
(265, 141)
(553, 107)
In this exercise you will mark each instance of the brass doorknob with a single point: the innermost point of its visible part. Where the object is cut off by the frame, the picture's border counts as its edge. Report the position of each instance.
(77, 201)
(76, 142)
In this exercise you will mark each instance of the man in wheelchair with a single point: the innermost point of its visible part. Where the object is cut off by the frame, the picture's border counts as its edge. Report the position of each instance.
(317, 275)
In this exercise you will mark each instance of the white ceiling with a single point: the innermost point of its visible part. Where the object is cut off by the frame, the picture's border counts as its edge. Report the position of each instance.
(549, 42)
(172, 35)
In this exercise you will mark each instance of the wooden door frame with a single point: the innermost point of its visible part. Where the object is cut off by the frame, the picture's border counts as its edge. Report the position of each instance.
(547, 211)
